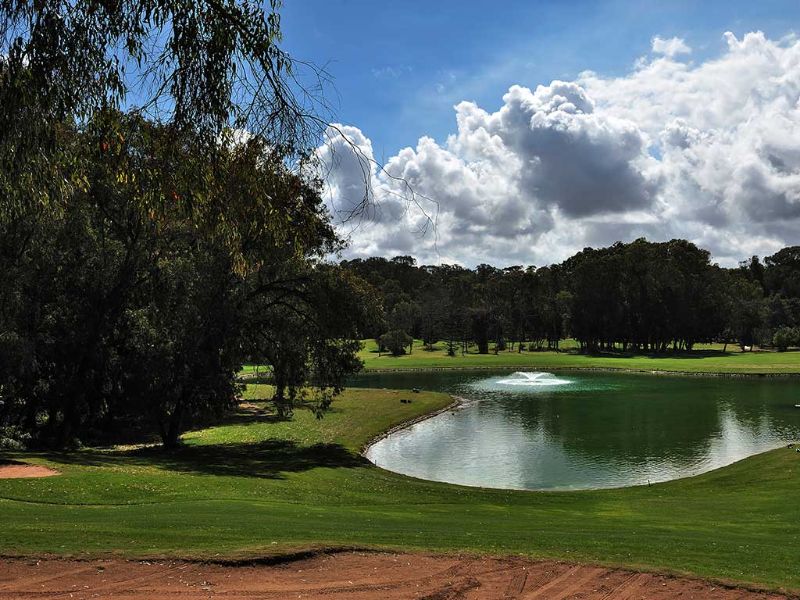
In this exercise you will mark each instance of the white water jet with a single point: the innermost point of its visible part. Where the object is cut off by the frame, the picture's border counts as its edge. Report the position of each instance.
(524, 378)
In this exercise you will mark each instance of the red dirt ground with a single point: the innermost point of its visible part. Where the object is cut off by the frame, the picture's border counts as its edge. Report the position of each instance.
(350, 576)
(16, 470)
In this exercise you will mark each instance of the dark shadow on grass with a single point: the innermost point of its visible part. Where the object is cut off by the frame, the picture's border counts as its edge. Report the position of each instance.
(694, 354)
(257, 410)
(241, 418)
(269, 459)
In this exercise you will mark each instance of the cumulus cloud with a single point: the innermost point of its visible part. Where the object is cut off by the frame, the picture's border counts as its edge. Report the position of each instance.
(574, 159)
(707, 151)
(670, 47)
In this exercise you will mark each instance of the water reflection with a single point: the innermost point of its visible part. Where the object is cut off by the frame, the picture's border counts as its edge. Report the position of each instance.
(586, 431)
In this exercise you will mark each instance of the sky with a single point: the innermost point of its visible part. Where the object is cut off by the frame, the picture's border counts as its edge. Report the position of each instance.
(529, 130)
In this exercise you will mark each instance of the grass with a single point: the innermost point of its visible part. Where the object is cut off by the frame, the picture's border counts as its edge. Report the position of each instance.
(255, 486)
(707, 358)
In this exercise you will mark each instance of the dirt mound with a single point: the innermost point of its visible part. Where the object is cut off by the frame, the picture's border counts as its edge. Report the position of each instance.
(18, 470)
(351, 576)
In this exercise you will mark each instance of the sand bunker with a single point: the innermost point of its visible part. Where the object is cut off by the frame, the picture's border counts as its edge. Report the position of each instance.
(351, 576)
(18, 470)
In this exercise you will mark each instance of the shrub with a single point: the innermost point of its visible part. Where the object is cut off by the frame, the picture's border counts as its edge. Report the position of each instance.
(785, 337)
(395, 341)
(13, 438)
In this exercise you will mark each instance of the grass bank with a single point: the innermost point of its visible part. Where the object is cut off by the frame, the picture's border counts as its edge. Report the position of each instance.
(254, 487)
(709, 358)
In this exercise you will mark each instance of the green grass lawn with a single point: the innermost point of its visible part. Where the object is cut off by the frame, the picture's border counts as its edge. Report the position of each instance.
(706, 358)
(254, 487)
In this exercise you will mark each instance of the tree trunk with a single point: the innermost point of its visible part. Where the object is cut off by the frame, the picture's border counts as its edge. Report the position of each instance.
(171, 430)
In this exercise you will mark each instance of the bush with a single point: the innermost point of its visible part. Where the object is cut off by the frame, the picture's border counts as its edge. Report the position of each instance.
(395, 341)
(13, 438)
(785, 337)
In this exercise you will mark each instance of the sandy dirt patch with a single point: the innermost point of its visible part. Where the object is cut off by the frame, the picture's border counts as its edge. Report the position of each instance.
(351, 576)
(18, 470)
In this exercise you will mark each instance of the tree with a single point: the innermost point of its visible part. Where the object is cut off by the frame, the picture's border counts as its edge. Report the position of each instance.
(745, 309)
(311, 335)
(785, 337)
(132, 303)
(205, 67)
(782, 272)
(395, 341)
(404, 317)
(179, 354)
(432, 311)
(138, 230)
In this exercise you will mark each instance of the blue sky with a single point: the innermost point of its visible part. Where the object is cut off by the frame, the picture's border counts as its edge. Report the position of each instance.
(399, 67)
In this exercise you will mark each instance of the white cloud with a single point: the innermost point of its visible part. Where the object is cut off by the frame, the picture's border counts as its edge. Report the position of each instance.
(708, 151)
(670, 47)
(391, 72)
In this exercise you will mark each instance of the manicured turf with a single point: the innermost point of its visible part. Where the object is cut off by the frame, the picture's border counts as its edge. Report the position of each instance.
(704, 359)
(254, 487)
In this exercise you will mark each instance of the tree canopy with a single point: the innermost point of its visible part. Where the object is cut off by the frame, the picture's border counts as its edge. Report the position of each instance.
(160, 220)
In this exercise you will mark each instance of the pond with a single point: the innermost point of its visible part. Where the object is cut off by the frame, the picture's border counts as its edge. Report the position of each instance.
(578, 430)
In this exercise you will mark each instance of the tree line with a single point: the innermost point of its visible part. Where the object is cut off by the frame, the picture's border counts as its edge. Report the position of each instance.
(631, 297)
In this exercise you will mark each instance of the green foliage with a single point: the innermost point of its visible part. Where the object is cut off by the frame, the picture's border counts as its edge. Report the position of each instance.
(200, 67)
(134, 245)
(396, 341)
(404, 316)
(785, 337)
(132, 305)
(781, 273)
(307, 328)
(745, 309)
(13, 438)
(637, 297)
(644, 296)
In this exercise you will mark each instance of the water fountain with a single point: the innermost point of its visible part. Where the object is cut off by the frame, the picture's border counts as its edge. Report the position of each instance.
(524, 378)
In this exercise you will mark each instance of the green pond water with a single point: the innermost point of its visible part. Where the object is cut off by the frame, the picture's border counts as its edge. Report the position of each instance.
(578, 430)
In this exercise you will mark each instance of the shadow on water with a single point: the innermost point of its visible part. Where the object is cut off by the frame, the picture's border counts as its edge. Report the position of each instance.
(613, 430)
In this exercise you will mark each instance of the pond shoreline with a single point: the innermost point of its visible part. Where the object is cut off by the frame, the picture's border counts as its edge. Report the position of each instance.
(457, 401)
(548, 368)
(428, 378)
